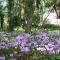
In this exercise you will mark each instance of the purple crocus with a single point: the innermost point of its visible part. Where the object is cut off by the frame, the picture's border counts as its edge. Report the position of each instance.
(2, 58)
(25, 49)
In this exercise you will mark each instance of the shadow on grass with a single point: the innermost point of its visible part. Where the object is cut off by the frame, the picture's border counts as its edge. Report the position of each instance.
(51, 27)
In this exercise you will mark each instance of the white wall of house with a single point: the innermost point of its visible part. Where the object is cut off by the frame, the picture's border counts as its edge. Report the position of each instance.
(51, 18)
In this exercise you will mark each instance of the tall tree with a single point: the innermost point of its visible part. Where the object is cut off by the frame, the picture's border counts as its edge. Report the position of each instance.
(10, 14)
(1, 15)
(29, 10)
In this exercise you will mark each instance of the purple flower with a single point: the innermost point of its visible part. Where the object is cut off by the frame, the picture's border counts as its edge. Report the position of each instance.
(58, 41)
(50, 48)
(2, 58)
(2, 43)
(50, 44)
(19, 38)
(25, 49)
(2, 47)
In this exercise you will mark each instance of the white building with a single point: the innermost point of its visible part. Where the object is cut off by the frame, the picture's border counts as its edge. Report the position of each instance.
(50, 17)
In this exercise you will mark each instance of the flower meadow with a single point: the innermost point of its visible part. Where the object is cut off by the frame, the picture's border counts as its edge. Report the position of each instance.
(35, 46)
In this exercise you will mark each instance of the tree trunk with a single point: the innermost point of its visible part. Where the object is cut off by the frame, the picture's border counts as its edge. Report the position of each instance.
(10, 15)
(29, 10)
(2, 21)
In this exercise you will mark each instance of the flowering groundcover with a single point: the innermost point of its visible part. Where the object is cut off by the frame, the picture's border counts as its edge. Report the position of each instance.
(39, 46)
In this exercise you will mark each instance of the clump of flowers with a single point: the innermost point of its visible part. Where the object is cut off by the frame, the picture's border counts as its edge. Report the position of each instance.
(26, 43)
(39, 42)
(22, 40)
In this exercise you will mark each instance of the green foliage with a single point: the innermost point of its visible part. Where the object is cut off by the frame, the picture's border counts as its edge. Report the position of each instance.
(52, 27)
(12, 10)
(28, 7)
(38, 13)
(16, 21)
